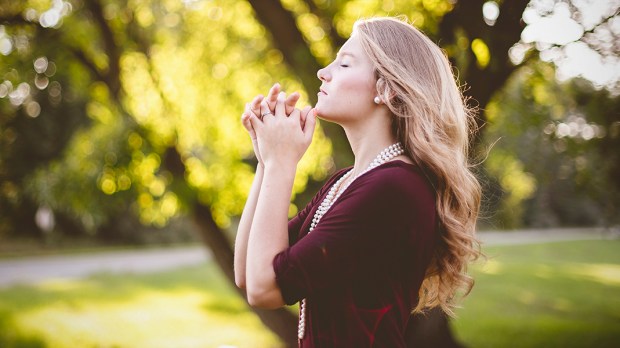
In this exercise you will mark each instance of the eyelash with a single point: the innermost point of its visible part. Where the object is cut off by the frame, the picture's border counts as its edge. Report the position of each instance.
(344, 65)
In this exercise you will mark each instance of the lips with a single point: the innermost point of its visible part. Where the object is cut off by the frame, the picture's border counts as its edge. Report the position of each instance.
(321, 90)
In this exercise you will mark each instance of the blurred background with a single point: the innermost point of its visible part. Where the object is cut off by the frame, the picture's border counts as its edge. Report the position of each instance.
(124, 167)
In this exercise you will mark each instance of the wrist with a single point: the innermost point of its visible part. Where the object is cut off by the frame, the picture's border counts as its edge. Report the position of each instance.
(280, 166)
(278, 173)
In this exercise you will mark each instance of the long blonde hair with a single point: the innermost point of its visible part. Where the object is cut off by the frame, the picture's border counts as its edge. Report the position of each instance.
(433, 122)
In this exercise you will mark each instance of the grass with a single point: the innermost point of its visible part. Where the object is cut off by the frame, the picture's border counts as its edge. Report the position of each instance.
(189, 307)
(548, 295)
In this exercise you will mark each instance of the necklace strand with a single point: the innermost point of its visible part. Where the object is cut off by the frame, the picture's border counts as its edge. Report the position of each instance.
(336, 191)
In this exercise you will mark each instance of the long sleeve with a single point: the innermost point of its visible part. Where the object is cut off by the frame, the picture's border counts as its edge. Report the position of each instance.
(382, 211)
(298, 221)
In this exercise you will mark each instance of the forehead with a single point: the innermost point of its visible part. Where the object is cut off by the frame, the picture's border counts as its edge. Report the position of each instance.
(352, 47)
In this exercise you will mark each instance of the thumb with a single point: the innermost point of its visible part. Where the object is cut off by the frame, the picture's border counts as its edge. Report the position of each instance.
(257, 124)
(245, 120)
(304, 114)
(310, 125)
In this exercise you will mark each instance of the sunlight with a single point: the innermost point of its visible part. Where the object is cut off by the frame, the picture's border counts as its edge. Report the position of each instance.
(607, 274)
(175, 318)
(491, 267)
(527, 297)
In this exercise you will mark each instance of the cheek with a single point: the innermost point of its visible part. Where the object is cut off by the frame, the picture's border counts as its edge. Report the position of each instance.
(352, 92)
(358, 89)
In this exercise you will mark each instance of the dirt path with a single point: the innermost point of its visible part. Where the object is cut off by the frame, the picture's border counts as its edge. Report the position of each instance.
(544, 236)
(32, 270)
(36, 269)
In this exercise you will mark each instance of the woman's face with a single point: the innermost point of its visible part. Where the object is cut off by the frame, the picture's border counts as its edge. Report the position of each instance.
(349, 85)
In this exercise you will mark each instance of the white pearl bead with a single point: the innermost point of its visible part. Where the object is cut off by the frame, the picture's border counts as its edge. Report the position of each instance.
(332, 196)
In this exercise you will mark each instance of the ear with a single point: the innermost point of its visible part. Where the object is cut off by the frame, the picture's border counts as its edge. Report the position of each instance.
(384, 90)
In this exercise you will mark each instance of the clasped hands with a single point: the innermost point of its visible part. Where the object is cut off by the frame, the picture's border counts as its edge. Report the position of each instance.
(280, 132)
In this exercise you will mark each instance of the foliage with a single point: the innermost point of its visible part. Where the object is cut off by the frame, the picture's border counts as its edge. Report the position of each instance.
(156, 84)
(547, 154)
(117, 115)
(182, 87)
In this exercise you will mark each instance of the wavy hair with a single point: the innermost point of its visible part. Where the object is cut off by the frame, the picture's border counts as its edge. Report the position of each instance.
(433, 122)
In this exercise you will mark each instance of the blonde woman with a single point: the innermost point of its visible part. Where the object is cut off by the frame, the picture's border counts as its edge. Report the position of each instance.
(390, 235)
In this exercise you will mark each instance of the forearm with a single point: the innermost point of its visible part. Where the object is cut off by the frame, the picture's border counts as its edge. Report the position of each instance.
(245, 224)
(268, 236)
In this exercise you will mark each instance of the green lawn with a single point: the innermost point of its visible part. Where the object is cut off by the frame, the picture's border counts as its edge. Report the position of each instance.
(189, 307)
(549, 295)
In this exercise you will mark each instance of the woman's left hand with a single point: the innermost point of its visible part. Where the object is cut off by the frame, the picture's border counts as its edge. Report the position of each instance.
(281, 140)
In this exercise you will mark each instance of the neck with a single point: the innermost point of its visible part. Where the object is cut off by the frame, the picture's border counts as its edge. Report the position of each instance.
(368, 140)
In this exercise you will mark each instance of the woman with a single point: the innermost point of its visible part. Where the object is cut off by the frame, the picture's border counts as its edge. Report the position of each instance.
(391, 235)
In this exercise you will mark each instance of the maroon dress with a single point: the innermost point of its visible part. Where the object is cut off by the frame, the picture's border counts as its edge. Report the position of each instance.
(362, 266)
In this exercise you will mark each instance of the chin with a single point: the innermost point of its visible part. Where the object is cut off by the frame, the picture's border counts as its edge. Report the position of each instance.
(322, 115)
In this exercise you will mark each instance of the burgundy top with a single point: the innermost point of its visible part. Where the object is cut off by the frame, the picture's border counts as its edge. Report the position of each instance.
(362, 266)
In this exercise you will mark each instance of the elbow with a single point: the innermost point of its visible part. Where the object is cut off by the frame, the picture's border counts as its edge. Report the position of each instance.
(239, 280)
(256, 302)
(240, 283)
(264, 300)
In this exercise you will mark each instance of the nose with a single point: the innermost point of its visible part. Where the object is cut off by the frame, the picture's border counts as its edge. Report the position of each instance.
(323, 74)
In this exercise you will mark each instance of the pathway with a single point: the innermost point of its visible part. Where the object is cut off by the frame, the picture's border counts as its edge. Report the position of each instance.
(36, 269)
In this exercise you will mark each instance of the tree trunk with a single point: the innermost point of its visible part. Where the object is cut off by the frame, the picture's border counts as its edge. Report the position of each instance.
(483, 81)
(281, 321)
(290, 41)
(430, 330)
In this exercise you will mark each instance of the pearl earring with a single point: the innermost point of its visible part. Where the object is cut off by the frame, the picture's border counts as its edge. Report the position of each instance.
(377, 100)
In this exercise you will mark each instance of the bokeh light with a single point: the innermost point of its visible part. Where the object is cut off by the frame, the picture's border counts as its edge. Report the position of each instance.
(490, 12)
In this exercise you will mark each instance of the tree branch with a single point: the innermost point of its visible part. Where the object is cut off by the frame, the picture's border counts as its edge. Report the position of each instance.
(483, 82)
(289, 40)
(335, 38)
(88, 64)
(14, 18)
(109, 44)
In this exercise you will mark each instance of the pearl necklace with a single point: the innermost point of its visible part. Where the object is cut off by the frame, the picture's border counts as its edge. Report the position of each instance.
(335, 191)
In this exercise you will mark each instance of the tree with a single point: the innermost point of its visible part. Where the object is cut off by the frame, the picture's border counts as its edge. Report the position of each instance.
(153, 89)
(163, 135)
(554, 161)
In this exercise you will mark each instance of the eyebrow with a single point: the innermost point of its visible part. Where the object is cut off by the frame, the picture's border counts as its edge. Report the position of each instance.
(345, 53)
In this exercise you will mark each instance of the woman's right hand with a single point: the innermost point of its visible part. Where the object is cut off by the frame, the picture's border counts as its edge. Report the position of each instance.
(253, 109)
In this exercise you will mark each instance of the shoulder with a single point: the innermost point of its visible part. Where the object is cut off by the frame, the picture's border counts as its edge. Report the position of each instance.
(336, 176)
(398, 178)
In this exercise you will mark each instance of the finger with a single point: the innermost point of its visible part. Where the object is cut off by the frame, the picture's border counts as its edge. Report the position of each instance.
(279, 111)
(304, 115)
(255, 105)
(272, 96)
(290, 102)
(295, 116)
(257, 124)
(310, 125)
(264, 111)
(247, 112)
(245, 120)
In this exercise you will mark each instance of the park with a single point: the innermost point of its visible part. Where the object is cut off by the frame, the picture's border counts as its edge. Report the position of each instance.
(120, 136)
